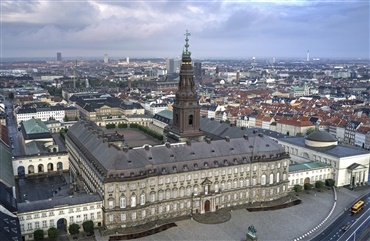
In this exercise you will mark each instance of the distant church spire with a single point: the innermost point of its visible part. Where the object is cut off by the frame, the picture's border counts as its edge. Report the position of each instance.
(186, 109)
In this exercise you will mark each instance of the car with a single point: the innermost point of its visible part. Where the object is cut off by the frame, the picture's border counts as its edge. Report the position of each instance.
(346, 227)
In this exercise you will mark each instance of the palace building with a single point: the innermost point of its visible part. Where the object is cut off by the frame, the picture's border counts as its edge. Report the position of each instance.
(172, 180)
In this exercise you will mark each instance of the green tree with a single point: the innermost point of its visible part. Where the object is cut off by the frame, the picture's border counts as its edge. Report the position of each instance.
(11, 96)
(319, 184)
(297, 188)
(74, 228)
(53, 233)
(65, 119)
(88, 226)
(309, 131)
(38, 235)
(307, 186)
(329, 182)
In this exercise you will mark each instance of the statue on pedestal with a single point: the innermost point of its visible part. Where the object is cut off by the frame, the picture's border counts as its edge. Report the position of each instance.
(251, 234)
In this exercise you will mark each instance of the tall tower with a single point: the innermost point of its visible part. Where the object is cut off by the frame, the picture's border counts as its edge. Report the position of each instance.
(308, 56)
(59, 57)
(186, 109)
(106, 60)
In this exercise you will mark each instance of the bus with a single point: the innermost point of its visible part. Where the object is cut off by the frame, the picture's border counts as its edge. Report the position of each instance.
(357, 207)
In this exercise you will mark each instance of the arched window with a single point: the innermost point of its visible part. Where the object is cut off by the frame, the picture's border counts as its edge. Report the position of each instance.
(168, 194)
(190, 120)
(142, 199)
(271, 178)
(228, 184)
(160, 195)
(174, 193)
(182, 191)
(195, 189)
(263, 180)
(278, 177)
(222, 185)
(122, 202)
(216, 187)
(188, 191)
(152, 197)
(284, 176)
(133, 200)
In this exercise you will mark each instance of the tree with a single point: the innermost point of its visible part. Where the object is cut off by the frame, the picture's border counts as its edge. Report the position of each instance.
(307, 186)
(329, 182)
(11, 96)
(53, 233)
(309, 131)
(297, 188)
(88, 226)
(319, 184)
(74, 228)
(65, 119)
(38, 235)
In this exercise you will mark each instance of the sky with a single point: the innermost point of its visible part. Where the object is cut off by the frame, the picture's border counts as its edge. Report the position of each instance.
(156, 28)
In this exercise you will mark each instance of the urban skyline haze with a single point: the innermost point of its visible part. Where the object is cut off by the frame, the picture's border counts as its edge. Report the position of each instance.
(219, 29)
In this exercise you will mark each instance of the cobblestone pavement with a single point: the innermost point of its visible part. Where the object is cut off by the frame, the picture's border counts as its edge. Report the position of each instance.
(283, 224)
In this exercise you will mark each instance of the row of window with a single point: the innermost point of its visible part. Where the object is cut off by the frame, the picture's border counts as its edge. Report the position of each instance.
(189, 177)
(188, 191)
(45, 224)
(61, 212)
(174, 207)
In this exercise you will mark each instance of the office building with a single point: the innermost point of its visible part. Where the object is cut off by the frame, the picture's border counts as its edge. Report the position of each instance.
(59, 56)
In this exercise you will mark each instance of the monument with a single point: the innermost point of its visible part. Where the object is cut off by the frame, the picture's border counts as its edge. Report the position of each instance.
(251, 234)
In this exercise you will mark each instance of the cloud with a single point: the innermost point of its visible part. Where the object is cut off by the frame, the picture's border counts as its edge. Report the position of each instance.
(156, 28)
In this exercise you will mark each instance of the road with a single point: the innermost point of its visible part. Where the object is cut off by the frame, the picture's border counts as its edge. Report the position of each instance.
(347, 225)
(14, 135)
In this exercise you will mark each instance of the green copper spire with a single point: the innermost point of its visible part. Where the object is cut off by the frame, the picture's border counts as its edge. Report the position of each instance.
(186, 52)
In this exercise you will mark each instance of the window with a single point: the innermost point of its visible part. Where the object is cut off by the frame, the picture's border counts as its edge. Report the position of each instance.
(160, 195)
(254, 168)
(123, 216)
(85, 216)
(240, 183)
(99, 215)
(71, 219)
(278, 177)
(133, 200)
(263, 180)
(110, 204)
(235, 170)
(37, 225)
(133, 216)
(271, 178)
(111, 218)
(122, 202)
(44, 223)
(195, 190)
(229, 171)
(223, 172)
(142, 184)
(152, 211)
(29, 226)
(142, 199)
(152, 197)
(168, 194)
(174, 179)
(51, 223)
(92, 216)
(189, 177)
(246, 182)
(216, 187)
(122, 188)
(248, 168)
(168, 180)
(254, 181)
(228, 185)
(222, 186)
(182, 191)
(143, 213)
(235, 184)
(110, 189)
(160, 209)
(174, 193)
(167, 208)
(188, 191)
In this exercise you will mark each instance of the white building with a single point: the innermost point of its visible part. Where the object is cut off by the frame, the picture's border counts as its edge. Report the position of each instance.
(59, 212)
(350, 165)
(40, 164)
(43, 114)
(308, 172)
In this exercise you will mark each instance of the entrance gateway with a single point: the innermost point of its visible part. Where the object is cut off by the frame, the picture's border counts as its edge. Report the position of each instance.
(207, 205)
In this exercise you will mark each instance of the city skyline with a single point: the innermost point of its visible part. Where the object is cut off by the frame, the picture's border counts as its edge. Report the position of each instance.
(219, 29)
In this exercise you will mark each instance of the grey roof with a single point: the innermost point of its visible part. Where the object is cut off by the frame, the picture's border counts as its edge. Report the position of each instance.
(216, 130)
(112, 159)
(306, 166)
(336, 151)
(58, 201)
(6, 166)
(321, 136)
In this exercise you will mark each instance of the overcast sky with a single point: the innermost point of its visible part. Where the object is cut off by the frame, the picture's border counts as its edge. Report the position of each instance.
(155, 28)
